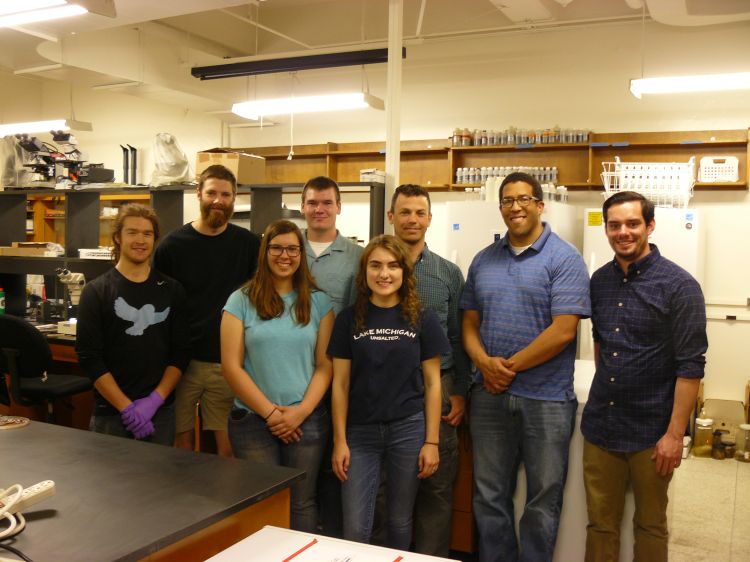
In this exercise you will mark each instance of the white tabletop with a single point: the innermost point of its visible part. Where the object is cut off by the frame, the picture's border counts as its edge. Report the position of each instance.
(272, 544)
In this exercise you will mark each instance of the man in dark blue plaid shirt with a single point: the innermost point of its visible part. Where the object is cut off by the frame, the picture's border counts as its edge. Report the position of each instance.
(649, 321)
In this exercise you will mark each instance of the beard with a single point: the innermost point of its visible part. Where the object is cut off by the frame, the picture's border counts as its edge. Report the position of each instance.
(219, 217)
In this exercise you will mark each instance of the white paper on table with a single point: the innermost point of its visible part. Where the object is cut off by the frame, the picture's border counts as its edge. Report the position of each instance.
(340, 552)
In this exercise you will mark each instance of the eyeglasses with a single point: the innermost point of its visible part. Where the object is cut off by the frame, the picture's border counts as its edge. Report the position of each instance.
(523, 201)
(292, 251)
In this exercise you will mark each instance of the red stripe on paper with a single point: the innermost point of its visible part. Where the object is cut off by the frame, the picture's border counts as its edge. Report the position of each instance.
(301, 550)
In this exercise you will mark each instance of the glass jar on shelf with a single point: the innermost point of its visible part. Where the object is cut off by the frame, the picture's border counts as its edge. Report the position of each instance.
(742, 452)
(717, 447)
(703, 437)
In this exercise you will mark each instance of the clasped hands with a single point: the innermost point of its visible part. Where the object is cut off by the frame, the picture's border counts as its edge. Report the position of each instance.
(284, 423)
(137, 415)
(498, 374)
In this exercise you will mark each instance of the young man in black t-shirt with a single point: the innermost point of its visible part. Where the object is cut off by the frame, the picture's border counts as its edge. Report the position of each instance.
(211, 258)
(132, 337)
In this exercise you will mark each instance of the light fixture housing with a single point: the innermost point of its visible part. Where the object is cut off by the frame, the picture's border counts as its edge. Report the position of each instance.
(14, 13)
(292, 64)
(44, 126)
(306, 104)
(687, 84)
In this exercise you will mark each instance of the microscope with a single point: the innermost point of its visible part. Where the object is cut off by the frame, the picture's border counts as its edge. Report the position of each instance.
(52, 166)
(74, 283)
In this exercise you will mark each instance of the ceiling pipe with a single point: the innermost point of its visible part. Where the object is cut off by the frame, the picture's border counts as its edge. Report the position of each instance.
(266, 28)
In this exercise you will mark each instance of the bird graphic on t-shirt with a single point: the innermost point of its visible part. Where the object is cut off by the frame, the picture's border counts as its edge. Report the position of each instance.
(141, 318)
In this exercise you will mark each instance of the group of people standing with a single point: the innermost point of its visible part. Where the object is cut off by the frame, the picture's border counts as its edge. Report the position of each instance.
(355, 365)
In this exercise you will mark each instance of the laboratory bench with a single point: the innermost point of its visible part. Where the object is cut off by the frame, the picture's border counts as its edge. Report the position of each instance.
(121, 499)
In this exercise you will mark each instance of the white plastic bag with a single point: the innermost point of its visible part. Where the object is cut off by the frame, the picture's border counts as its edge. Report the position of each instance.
(170, 162)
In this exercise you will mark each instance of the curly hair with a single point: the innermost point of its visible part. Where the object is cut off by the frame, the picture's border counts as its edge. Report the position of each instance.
(260, 289)
(411, 306)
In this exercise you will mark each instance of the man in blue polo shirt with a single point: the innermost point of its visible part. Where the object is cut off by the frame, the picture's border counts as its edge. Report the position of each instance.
(649, 321)
(523, 298)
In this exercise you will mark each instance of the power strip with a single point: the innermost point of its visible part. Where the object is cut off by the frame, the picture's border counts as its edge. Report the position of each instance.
(30, 496)
(34, 494)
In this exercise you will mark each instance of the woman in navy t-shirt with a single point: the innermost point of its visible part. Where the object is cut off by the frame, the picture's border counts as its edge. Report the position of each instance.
(386, 393)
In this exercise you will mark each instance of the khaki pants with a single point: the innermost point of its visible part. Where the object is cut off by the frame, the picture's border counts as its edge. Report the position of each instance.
(606, 476)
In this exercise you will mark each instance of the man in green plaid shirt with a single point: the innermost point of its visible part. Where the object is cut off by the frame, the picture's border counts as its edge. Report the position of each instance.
(439, 283)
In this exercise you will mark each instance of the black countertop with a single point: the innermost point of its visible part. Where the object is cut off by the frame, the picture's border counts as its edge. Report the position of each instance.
(120, 499)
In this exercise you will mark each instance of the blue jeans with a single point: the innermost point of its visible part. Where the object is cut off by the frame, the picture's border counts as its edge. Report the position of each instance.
(507, 430)
(395, 445)
(163, 421)
(252, 440)
(434, 508)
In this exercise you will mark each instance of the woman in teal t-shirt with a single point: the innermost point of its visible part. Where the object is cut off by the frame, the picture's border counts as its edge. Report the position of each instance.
(274, 334)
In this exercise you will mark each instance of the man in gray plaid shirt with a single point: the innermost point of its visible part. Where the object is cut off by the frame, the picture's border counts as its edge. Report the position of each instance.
(439, 283)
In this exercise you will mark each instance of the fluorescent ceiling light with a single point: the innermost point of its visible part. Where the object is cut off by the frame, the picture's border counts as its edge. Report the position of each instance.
(43, 126)
(307, 104)
(15, 6)
(21, 18)
(14, 13)
(685, 84)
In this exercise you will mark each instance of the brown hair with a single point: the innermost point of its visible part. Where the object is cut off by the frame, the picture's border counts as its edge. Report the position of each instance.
(410, 190)
(411, 306)
(219, 172)
(260, 289)
(320, 183)
(131, 210)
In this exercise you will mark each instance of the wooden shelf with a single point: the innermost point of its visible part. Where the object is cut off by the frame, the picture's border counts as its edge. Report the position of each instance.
(626, 144)
(433, 162)
(732, 185)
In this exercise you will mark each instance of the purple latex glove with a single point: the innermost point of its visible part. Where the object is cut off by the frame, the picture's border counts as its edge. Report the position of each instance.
(144, 431)
(147, 406)
(135, 423)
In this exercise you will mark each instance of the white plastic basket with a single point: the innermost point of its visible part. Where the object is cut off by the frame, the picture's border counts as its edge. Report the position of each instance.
(718, 169)
(667, 184)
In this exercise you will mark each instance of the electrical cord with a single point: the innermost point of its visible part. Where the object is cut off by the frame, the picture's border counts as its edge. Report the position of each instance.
(15, 551)
(9, 498)
(16, 522)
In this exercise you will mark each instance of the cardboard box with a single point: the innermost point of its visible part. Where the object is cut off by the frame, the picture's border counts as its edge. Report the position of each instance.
(247, 168)
(372, 175)
(28, 249)
(25, 252)
(727, 414)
